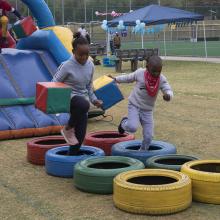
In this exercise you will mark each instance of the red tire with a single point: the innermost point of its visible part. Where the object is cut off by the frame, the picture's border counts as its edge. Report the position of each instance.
(106, 139)
(37, 148)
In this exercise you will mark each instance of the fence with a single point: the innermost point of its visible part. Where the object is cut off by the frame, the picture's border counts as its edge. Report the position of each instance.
(84, 11)
(179, 40)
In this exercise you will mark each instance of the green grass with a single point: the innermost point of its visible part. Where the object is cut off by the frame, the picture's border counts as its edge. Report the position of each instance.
(191, 122)
(179, 48)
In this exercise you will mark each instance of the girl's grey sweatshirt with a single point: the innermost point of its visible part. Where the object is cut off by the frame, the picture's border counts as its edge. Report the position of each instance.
(79, 77)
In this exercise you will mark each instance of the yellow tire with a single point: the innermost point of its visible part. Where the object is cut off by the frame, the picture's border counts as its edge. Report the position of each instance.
(152, 191)
(205, 176)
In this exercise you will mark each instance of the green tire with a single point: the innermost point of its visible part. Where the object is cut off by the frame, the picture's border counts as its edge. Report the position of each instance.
(95, 175)
(169, 162)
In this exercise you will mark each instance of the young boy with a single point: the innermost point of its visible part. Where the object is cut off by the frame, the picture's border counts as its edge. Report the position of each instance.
(77, 72)
(143, 97)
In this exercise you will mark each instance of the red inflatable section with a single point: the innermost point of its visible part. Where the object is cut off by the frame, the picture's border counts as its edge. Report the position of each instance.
(10, 41)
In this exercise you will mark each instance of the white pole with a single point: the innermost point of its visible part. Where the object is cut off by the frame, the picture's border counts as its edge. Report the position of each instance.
(142, 41)
(106, 9)
(90, 28)
(130, 5)
(108, 45)
(85, 10)
(16, 4)
(206, 53)
(158, 2)
(54, 9)
(196, 32)
(108, 34)
(164, 39)
(142, 46)
(63, 12)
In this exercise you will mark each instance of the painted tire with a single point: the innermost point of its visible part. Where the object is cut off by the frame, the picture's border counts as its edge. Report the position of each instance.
(131, 149)
(106, 139)
(205, 176)
(59, 164)
(95, 175)
(152, 191)
(37, 148)
(170, 161)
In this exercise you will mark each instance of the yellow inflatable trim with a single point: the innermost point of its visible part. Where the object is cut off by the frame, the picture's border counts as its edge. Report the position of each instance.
(65, 35)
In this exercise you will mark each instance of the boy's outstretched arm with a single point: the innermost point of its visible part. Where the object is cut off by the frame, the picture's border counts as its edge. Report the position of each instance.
(129, 78)
(166, 89)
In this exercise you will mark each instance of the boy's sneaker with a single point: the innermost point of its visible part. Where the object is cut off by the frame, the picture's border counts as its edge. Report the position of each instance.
(120, 129)
(69, 136)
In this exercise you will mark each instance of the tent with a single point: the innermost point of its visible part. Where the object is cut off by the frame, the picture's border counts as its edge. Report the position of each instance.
(155, 14)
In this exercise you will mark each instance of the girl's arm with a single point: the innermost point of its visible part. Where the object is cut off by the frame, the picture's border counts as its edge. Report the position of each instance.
(92, 96)
(60, 75)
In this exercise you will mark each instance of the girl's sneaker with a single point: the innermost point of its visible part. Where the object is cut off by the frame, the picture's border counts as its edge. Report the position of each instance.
(69, 136)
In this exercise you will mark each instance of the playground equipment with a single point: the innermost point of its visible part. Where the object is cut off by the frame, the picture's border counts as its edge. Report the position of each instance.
(106, 139)
(35, 59)
(205, 176)
(152, 191)
(95, 175)
(37, 148)
(169, 162)
(59, 164)
(131, 149)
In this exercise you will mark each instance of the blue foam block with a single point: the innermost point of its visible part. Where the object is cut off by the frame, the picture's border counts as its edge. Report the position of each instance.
(109, 94)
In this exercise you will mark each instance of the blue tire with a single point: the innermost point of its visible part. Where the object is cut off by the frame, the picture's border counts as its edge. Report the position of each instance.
(131, 149)
(57, 163)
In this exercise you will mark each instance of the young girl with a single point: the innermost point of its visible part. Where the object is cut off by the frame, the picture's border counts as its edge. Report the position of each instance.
(142, 99)
(77, 72)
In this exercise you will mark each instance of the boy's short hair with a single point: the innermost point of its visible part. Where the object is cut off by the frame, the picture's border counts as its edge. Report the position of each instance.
(154, 60)
(79, 41)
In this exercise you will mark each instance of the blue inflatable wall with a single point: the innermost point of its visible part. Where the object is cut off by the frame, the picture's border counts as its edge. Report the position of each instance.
(48, 41)
(20, 71)
(41, 12)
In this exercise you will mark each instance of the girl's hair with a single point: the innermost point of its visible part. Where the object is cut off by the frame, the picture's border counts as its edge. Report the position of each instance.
(79, 41)
(77, 35)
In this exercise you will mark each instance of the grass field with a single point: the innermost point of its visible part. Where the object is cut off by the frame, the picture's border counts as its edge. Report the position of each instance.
(191, 122)
(179, 48)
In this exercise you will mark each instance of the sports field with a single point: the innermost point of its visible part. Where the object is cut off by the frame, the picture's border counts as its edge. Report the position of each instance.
(191, 122)
(179, 48)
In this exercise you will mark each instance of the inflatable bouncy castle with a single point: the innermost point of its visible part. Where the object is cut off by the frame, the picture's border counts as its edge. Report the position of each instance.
(35, 59)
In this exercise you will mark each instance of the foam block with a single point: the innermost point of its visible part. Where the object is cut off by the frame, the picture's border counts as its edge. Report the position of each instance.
(53, 97)
(107, 90)
(24, 28)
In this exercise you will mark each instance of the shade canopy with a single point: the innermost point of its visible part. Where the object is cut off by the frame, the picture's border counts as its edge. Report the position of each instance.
(155, 14)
